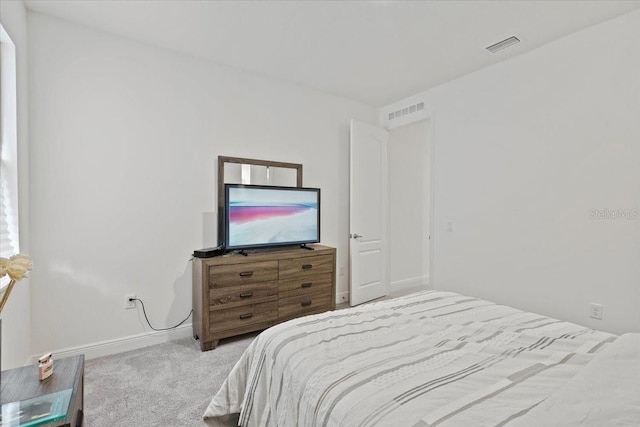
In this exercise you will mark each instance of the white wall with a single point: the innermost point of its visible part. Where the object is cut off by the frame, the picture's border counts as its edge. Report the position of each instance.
(409, 173)
(523, 151)
(16, 319)
(125, 139)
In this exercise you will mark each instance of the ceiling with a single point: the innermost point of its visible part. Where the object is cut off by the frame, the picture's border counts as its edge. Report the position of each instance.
(373, 52)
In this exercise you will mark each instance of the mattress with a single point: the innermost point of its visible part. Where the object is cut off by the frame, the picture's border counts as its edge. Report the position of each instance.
(427, 359)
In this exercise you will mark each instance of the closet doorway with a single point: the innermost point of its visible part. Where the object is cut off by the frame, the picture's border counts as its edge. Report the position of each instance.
(410, 202)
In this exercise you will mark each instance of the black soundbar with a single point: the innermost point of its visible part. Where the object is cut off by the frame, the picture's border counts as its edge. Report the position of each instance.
(209, 252)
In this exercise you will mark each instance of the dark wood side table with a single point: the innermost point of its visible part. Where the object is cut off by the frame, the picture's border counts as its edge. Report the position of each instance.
(68, 373)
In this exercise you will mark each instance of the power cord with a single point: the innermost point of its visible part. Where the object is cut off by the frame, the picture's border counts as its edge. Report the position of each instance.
(149, 323)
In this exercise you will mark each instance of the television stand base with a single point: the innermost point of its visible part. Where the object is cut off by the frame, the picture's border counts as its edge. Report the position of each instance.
(304, 246)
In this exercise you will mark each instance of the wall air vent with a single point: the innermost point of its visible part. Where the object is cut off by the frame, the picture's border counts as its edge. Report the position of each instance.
(503, 44)
(406, 110)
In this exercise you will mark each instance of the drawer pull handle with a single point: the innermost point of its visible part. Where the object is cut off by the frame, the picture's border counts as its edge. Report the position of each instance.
(305, 303)
(246, 316)
(307, 266)
(306, 285)
(246, 295)
(246, 274)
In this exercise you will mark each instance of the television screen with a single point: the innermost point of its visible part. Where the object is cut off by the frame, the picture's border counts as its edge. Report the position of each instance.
(257, 216)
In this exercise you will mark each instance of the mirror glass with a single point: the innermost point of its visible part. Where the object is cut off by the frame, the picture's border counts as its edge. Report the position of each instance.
(241, 173)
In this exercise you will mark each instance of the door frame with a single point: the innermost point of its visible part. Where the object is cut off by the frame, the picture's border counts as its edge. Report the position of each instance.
(424, 115)
(427, 114)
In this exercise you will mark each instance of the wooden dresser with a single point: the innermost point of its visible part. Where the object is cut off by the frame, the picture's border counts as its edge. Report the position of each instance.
(235, 294)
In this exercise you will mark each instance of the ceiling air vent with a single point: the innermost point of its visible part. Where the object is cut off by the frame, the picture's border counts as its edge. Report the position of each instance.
(406, 110)
(503, 44)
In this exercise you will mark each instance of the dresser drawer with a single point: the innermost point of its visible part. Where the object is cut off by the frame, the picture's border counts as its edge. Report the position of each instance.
(301, 305)
(305, 266)
(238, 317)
(305, 285)
(221, 276)
(236, 294)
(220, 298)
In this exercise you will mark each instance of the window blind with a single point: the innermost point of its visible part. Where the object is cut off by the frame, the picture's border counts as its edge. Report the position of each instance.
(9, 232)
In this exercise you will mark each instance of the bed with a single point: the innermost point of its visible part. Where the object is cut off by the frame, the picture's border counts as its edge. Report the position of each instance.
(432, 359)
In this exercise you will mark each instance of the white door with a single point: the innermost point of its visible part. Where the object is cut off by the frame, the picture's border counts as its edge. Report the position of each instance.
(369, 214)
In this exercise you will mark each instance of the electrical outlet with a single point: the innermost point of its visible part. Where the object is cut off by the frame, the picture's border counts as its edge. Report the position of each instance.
(128, 303)
(595, 311)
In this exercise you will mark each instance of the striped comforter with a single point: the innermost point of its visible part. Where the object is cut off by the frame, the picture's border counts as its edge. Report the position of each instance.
(426, 359)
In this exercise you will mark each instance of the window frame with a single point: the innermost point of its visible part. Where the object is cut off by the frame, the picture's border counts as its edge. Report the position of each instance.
(8, 151)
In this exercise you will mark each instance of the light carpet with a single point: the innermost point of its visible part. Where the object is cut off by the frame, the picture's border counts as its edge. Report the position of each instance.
(168, 384)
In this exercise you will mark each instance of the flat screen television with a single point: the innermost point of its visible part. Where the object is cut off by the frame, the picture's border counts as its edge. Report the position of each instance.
(261, 216)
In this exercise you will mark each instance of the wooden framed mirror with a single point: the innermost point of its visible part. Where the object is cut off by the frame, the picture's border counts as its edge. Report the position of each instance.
(238, 170)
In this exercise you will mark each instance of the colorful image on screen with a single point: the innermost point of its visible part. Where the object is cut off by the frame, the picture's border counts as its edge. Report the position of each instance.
(264, 216)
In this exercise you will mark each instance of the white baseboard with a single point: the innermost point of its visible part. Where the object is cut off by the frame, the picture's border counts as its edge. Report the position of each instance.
(342, 297)
(413, 282)
(119, 345)
(134, 342)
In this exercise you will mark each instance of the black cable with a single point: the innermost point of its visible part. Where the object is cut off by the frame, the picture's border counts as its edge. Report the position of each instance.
(149, 323)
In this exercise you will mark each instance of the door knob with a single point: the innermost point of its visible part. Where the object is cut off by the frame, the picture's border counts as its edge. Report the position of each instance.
(355, 236)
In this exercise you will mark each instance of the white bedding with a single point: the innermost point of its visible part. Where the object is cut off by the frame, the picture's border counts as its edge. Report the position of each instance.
(427, 359)
(605, 393)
